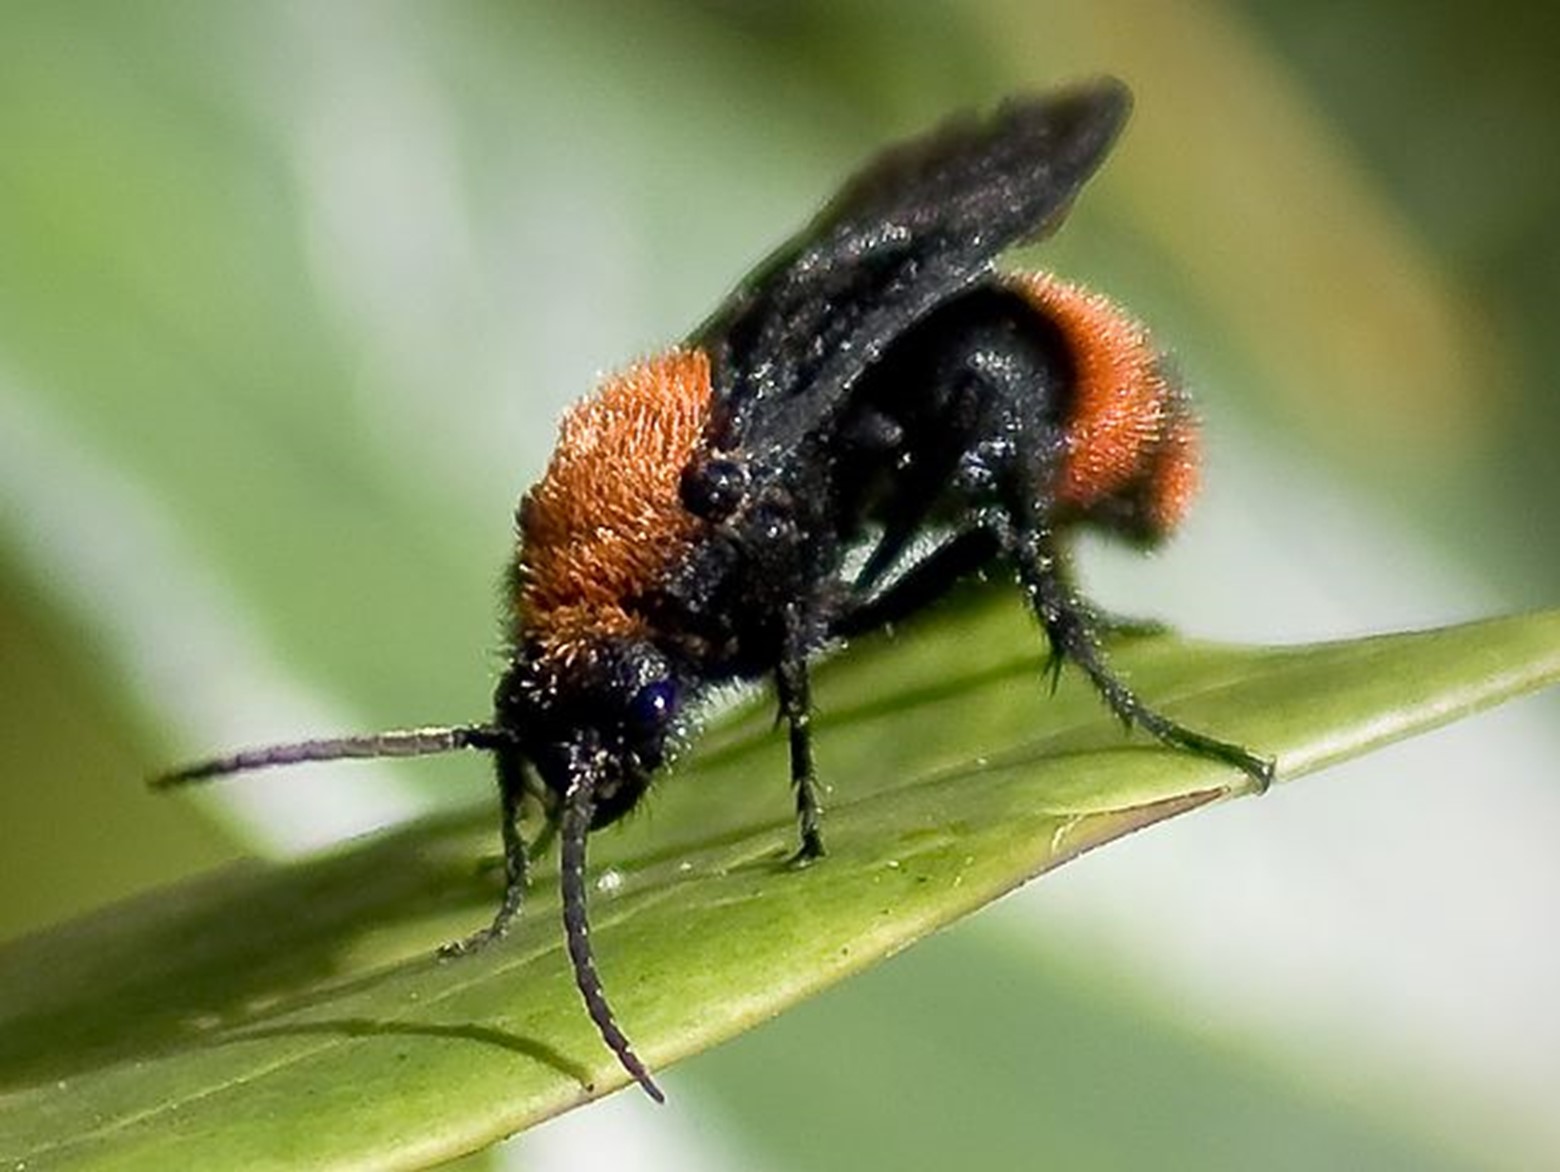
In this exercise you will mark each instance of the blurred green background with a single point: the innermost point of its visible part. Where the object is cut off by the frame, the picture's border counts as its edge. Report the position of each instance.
(291, 294)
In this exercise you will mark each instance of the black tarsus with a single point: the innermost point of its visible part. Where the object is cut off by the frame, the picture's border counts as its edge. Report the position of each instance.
(579, 807)
(416, 742)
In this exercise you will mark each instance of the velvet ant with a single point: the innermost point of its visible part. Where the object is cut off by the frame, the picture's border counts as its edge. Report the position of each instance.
(875, 383)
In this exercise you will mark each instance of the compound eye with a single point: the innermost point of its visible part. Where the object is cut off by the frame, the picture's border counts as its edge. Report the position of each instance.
(651, 708)
(713, 487)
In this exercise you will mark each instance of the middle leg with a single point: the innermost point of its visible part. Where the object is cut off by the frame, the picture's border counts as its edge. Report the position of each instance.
(794, 691)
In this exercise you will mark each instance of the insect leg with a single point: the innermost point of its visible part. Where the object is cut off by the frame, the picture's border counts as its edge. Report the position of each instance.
(919, 586)
(791, 685)
(511, 790)
(1109, 624)
(1069, 625)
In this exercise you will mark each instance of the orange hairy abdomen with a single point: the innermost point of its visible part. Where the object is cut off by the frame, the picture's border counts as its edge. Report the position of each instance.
(1128, 427)
(606, 521)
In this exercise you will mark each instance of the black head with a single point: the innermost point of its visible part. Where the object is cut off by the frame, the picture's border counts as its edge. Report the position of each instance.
(605, 715)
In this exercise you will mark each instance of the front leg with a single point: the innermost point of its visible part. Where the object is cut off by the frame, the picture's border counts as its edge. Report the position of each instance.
(511, 791)
(791, 685)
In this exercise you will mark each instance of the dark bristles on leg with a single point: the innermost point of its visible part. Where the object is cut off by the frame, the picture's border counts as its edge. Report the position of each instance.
(417, 742)
(579, 807)
(1068, 626)
(511, 790)
(791, 683)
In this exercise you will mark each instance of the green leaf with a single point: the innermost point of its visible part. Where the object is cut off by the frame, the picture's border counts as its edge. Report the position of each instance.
(288, 1016)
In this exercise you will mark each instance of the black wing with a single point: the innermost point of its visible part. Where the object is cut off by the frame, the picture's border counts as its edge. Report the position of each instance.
(921, 222)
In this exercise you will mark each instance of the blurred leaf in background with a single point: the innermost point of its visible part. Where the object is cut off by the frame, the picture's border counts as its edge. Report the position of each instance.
(291, 294)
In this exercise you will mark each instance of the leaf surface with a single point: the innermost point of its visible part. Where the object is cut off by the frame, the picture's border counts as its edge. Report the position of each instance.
(296, 1016)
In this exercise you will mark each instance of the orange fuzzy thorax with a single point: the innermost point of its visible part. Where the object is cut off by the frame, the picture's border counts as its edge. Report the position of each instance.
(606, 522)
(1128, 422)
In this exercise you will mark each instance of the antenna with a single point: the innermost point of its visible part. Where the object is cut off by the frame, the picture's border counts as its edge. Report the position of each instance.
(416, 742)
(579, 806)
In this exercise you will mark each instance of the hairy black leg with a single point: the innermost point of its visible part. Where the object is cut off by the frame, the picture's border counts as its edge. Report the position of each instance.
(922, 584)
(791, 685)
(1108, 624)
(511, 790)
(1068, 623)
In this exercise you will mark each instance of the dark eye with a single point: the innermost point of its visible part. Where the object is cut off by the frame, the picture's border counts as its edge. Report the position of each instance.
(651, 707)
(712, 488)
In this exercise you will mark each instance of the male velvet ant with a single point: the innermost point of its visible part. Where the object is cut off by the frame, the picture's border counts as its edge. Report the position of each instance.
(876, 381)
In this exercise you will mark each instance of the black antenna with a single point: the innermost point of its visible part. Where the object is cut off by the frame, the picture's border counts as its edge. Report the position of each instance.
(579, 806)
(416, 742)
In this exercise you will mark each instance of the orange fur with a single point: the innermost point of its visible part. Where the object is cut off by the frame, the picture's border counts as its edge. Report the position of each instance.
(605, 521)
(1128, 418)
(1177, 476)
